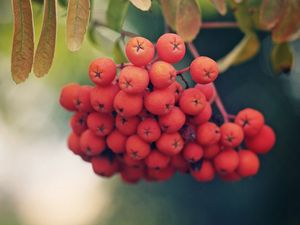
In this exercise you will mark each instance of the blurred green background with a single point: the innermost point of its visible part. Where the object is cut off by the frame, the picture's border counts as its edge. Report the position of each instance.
(42, 183)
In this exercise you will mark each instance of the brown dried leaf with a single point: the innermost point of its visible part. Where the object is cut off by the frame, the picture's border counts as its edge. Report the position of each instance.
(220, 5)
(143, 5)
(169, 11)
(77, 22)
(23, 43)
(188, 19)
(45, 50)
(270, 12)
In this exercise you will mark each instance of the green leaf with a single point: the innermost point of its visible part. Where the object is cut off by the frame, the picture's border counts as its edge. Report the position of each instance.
(23, 42)
(143, 5)
(270, 12)
(118, 53)
(288, 28)
(243, 16)
(116, 13)
(188, 19)
(281, 58)
(63, 3)
(220, 5)
(45, 50)
(243, 51)
(169, 8)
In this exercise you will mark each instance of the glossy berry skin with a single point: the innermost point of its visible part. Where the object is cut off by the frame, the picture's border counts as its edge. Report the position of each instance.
(103, 166)
(250, 120)
(192, 101)
(82, 99)
(133, 80)
(74, 143)
(207, 89)
(232, 135)
(204, 116)
(210, 151)
(100, 123)
(137, 148)
(159, 102)
(91, 144)
(173, 121)
(127, 125)
(263, 142)
(170, 144)
(162, 74)
(248, 163)
(78, 122)
(102, 71)
(139, 51)
(176, 89)
(205, 173)
(226, 161)
(192, 152)
(128, 105)
(208, 134)
(170, 48)
(102, 98)
(204, 70)
(68, 95)
(149, 130)
(157, 160)
(116, 141)
(179, 163)
(131, 175)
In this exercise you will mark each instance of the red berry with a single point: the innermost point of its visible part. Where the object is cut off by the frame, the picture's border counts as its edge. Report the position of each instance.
(136, 148)
(74, 143)
(170, 48)
(78, 122)
(206, 173)
(91, 144)
(159, 102)
(131, 175)
(192, 152)
(232, 135)
(116, 141)
(170, 144)
(149, 130)
(127, 125)
(207, 89)
(129, 161)
(262, 142)
(102, 97)
(157, 160)
(176, 89)
(211, 151)
(173, 121)
(82, 99)
(68, 95)
(203, 116)
(133, 80)
(192, 101)
(104, 166)
(162, 74)
(128, 105)
(226, 161)
(204, 70)
(179, 163)
(232, 177)
(208, 134)
(248, 163)
(100, 123)
(250, 120)
(139, 51)
(162, 174)
(102, 71)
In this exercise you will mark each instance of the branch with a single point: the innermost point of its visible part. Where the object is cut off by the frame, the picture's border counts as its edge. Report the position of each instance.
(219, 25)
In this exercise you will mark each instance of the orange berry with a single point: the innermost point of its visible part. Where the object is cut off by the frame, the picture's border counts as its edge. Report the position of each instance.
(226, 161)
(74, 143)
(78, 122)
(157, 160)
(204, 70)
(100, 123)
(137, 148)
(133, 80)
(68, 95)
(149, 130)
(127, 125)
(128, 105)
(104, 166)
(230, 177)
(116, 141)
(131, 175)
(170, 144)
(91, 144)
(102, 71)
(176, 89)
(211, 151)
(192, 152)
(208, 134)
(192, 101)
(129, 161)
(207, 89)
(203, 116)
(205, 173)
(179, 163)
(162, 74)
(162, 174)
(173, 121)
(159, 102)
(248, 163)
(232, 135)
(82, 99)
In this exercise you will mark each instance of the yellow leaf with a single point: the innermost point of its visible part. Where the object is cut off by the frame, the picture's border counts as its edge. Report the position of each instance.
(77, 22)
(281, 57)
(188, 19)
(169, 11)
(45, 51)
(220, 5)
(23, 43)
(142, 4)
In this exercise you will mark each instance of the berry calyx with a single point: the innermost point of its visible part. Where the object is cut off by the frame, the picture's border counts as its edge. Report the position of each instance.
(102, 71)
(204, 70)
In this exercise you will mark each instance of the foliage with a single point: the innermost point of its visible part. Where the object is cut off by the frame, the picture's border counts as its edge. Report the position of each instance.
(281, 18)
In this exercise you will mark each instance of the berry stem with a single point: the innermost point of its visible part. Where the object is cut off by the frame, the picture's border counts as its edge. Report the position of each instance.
(122, 65)
(183, 79)
(219, 25)
(217, 98)
(183, 70)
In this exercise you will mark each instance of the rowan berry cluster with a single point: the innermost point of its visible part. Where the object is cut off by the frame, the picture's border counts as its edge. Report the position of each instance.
(139, 121)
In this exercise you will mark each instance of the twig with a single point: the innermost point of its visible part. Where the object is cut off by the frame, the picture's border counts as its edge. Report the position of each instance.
(184, 80)
(219, 25)
(183, 70)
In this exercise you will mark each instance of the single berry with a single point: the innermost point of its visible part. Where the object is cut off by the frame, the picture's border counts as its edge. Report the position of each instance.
(82, 99)
(204, 70)
(139, 51)
(157, 160)
(78, 122)
(230, 177)
(226, 161)
(173, 121)
(250, 120)
(104, 166)
(248, 163)
(162, 74)
(192, 101)
(159, 102)
(127, 125)
(205, 173)
(208, 134)
(162, 174)
(130, 162)
(170, 48)
(74, 143)
(68, 95)
(149, 130)
(262, 142)
(207, 89)
(133, 80)
(100, 123)
(211, 151)
(204, 116)
(102, 71)
(176, 89)
(128, 105)
(116, 141)
(132, 175)
(137, 148)
(179, 163)
(170, 144)
(192, 152)
(91, 144)
(232, 135)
